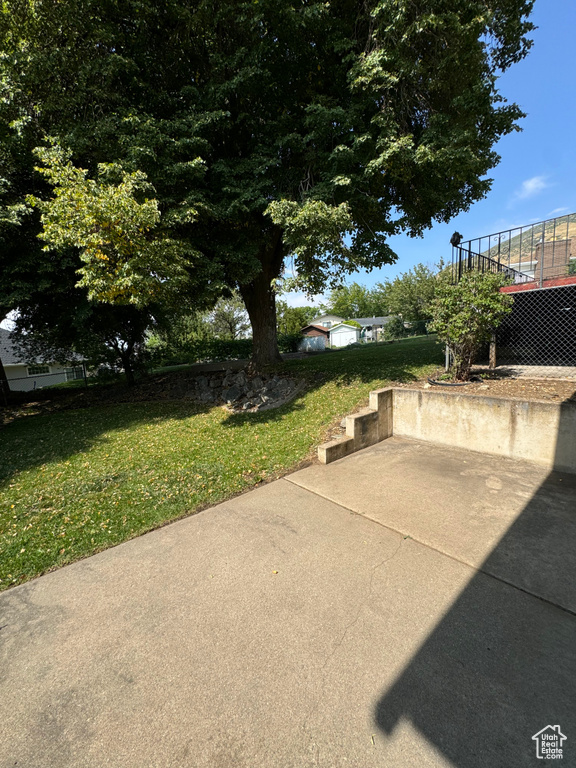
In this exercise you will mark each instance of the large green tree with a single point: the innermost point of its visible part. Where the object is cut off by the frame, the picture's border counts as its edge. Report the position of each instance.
(231, 135)
(291, 320)
(228, 319)
(410, 295)
(356, 300)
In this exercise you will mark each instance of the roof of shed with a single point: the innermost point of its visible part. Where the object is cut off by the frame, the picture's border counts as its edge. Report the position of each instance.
(344, 325)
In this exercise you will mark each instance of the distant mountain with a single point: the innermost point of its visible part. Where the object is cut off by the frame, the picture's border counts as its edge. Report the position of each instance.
(518, 246)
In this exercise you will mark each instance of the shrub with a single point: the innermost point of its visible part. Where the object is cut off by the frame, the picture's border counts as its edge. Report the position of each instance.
(203, 351)
(466, 314)
(394, 329)
(288, 342)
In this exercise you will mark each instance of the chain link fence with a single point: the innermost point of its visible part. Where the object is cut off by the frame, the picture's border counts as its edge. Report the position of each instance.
(538, 338)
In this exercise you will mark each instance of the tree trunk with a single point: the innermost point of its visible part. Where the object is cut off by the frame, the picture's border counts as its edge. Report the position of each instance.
(126, 358)
(260, 302)
(4, 385)
(124, 352)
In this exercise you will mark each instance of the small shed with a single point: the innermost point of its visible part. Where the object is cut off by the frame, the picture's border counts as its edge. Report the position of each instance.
(343, 334)
(315, 330)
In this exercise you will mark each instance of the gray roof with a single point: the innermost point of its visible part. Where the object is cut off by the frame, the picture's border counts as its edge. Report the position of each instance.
(371, 320)
(8, 353)
(11, 355)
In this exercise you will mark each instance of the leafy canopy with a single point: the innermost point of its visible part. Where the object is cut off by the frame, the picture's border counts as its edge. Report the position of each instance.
(410, 294)
(265, 130)
(291, 320)
(356, 300)
(112, 224)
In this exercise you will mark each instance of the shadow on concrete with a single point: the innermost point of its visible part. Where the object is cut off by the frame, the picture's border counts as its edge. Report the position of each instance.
(501, 664)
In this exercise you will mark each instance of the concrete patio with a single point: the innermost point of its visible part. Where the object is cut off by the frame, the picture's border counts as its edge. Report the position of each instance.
(409, 605)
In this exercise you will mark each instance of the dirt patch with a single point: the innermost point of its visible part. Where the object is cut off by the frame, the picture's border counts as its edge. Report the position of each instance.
(493, 384)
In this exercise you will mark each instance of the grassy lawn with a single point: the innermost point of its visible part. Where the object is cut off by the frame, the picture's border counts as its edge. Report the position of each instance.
(75, 482)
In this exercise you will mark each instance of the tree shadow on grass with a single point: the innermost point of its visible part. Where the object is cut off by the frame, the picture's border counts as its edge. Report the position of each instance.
(57, 436)
(35, 440)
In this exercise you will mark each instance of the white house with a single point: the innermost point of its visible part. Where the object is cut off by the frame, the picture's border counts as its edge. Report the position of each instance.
(24, 375)
(343, 334)
(327, 321)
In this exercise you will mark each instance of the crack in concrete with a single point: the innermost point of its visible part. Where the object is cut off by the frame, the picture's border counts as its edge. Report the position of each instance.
(363, 604)
(456, 559)
(340, 642)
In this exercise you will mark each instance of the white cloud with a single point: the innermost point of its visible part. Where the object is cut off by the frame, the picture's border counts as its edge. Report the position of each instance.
(558, 211)
(532, 187)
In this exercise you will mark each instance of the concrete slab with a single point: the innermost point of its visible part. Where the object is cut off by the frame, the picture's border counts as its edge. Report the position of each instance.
(279, 629)
(512, 519)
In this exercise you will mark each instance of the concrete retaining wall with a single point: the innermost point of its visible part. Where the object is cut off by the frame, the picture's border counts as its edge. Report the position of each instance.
(537, 431)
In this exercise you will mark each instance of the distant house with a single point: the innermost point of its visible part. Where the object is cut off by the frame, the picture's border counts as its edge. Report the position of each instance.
(327, 321)
(315, 330)
(343, 334)
(371, 326)
(24, 375)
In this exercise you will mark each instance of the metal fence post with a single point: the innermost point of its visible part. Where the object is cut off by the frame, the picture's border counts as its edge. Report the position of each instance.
(492, 363)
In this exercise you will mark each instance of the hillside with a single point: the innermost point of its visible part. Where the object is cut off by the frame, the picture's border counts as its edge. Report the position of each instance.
(518, 246)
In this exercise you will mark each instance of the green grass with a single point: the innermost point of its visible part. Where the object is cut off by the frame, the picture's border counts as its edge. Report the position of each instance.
(75, 482)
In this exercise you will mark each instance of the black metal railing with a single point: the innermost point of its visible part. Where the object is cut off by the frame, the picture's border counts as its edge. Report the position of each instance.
(463, 258)
(536, 253)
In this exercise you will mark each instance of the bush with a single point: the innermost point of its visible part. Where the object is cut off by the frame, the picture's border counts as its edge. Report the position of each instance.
(465, 315)
(394, 329)
(288, 342)
(214, 350)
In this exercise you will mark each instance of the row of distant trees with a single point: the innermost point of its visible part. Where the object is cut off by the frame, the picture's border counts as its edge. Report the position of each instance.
(133, 338)
(406, 298)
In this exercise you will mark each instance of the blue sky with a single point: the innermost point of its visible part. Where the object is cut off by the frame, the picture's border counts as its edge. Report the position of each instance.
(536, 177)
